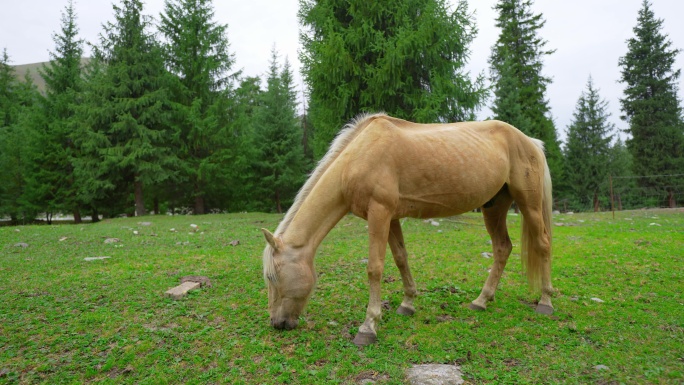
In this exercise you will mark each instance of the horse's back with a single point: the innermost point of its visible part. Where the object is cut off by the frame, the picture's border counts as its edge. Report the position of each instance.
(429, 170)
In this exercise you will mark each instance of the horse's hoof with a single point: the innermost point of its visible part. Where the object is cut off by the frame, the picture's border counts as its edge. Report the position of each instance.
(403, 310)
(544, 309)
(476, 307)
(363, 339)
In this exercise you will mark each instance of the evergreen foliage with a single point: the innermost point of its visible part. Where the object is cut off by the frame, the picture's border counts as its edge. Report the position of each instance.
(651, 105)
(18, 106)
(279, 155)
(171, 126)
(403, 57)
(588, 150)
(196, 51)
(519, 86)
(53, 185)
(128, 138)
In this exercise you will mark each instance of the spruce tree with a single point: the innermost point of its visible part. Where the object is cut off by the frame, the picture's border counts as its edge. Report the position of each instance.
(403, 57)
(516, 64)
(53, 184)
(196, 51)
(588, 150)
(129, 130)
(19, 108)
(621, 177)
(651, 105)
(280, 164)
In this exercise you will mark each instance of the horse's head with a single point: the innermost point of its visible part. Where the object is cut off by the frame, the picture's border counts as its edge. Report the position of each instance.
(290, 277)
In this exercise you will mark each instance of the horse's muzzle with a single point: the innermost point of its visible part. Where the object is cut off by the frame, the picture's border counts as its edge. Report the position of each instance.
(284, 324)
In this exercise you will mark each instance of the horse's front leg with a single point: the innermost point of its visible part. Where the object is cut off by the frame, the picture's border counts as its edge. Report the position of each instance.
(379, 218)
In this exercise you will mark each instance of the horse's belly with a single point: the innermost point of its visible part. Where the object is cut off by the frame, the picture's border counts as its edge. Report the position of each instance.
(442, 204)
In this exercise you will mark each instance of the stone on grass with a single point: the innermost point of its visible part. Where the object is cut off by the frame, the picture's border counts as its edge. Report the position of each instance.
(599, 300)
(234, 242)
(434, 374)
(601, 367)
(21, 244)
(182, 290)
(487, 255)
(202, 280)
(111, 240)
(94, 258)
(145, 223)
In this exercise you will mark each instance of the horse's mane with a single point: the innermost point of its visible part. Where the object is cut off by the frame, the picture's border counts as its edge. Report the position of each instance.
(343, 138)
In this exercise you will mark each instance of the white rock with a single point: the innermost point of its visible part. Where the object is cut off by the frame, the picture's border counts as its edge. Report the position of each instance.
(487, 254)
(601, 367)
(94, 258)
(599, 300)
(434, 374)
(654, 224)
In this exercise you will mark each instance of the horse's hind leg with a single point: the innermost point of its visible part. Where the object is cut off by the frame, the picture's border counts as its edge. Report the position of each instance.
(537, 241)
(396, 242)
(495, 221)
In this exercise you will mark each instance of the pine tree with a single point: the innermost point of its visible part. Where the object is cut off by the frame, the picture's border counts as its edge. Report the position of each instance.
(621, 177)
(129, 104)
(651, 106)
(18, 108)
(516, 74)
(196, 51)
(588, 150)
(278, 139)
(404, 57)
(53, 186)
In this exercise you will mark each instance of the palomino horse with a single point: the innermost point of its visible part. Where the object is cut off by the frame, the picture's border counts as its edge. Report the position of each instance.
(383, 169)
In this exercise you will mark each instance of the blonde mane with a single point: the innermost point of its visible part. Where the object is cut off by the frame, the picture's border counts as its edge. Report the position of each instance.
(343, 138)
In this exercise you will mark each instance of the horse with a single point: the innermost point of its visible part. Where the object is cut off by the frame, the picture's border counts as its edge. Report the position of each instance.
(382, 169)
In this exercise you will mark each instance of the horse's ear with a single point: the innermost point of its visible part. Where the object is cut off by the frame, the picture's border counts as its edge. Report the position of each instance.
(275, 243)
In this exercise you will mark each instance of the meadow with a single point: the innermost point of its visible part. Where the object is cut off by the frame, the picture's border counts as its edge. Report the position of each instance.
(619, 304)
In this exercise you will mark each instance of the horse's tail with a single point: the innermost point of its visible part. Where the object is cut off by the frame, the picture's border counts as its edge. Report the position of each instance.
(533, 243)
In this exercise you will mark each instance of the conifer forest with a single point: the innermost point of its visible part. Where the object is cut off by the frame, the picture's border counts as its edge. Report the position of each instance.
(157, 119)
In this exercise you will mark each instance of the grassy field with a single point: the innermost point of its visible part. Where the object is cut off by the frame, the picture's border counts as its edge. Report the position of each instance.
(67, 320)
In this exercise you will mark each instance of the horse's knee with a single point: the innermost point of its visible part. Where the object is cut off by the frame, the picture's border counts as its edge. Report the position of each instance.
(503, 247)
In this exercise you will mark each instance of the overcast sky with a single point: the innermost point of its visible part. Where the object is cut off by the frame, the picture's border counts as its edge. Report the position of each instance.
(588, 35)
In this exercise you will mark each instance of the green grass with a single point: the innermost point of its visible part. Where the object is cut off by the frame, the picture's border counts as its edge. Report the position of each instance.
(66, 320)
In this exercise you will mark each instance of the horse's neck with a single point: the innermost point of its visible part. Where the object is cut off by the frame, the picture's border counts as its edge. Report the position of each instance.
(319, 213)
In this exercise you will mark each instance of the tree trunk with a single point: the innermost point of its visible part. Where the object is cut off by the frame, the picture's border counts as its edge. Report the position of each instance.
(619, 202)
(671, 200)
(199, 205)
(596, 202)
(139, 200)
(77, 216)
(277, 199)
(95, 216)
(155, 204)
